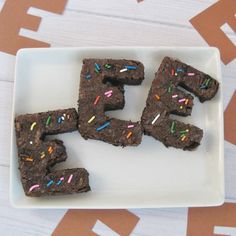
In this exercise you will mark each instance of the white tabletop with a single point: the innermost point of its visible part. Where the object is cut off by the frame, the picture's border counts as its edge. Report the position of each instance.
(108, 23)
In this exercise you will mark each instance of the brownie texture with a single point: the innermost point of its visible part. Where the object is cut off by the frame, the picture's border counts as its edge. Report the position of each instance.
(102, 89)
(166, 98)
(37, 156)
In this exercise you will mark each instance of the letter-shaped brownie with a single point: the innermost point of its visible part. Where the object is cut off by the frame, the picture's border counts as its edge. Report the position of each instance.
(102, 89)
(36, 155)
(166, 98)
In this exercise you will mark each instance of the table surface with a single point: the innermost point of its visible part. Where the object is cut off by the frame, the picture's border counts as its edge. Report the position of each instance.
(108, 23)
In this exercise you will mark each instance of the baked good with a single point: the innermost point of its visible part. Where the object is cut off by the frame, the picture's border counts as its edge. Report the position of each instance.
(102, 89)
(165, 98)
(37, 155)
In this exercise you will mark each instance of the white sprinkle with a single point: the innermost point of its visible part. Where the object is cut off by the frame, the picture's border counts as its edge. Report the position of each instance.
(130, 126)
(191, 74)
(31, 142)
(106, 93)
(174, 96)
(155, 119)
(123, 70)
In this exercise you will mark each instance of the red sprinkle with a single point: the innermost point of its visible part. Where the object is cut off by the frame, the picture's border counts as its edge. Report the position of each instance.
(96, 100)
(172, 72)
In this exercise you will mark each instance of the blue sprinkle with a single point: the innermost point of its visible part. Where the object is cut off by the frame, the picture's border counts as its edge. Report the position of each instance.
(59, 182)
(107, 123)
(59, 120)
(131, 67)
(50, 183)
(88, 76)
(203, 86)
(97, 66)
(179, 70)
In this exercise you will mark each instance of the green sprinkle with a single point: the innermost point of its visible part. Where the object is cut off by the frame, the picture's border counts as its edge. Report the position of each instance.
(96, 70)
(48, 121)
(170, 89)
(183, 131)
(107, 66)
(182, 135)
(207, 82)
(173, 126)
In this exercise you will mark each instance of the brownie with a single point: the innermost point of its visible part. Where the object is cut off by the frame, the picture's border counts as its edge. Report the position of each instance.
(102, 89)
(37, 155)
(166, 98)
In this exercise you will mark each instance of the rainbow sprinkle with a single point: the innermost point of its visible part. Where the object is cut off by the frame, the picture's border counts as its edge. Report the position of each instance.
(48, 121)
(50, 183)
(70, 178)
(97, 68)
(173, 127)
(131, 67)
(130, 126)
(157, 97)
(123, 70)
(108, 66)
(96, 100)
(91, 119)
(33, 187)
(182, 100)
(191, 74)
(155, 119)
(107, 123)
(60, 180)
(129, 135)
(50, 150)
(32, 126)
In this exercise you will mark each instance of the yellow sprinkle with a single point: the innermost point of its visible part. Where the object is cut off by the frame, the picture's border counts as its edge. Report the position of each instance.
(157, 97)
(91, 119)
(183, 138)
(42, 155)
(129, 135)
(186, 102)
(181, 107)
(32, 126)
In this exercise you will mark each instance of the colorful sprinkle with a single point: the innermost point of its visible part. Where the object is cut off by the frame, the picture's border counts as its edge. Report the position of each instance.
(207, 82)
(108, 66)
(183, 138)
(130, 126)
(186, 102)
(182, 100)
(107, 123)
(33, 187)
(108, 92)
(60, 180)
(29, 159)
(157, 97)
(97, 67)
(31, 142)
(174, 96)
(68, 117)
(180, 70)
(176, 73)
(123, 70)
(170, 89)
(70, 178)
(129, 135)
(50, 150)
(191, 74)
(88, 76)
(42, 155)
(96, 100)
(172, 72)
(155, 119)
(184, 131)
(32, 126)
(59, 120)
(50, 183)
(131, 67)
(91, 119)
(181, 107)
(173, 126)
(109, 95)
(48, 121)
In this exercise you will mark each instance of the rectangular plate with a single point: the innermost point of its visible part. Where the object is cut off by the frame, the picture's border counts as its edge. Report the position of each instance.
(146, 176)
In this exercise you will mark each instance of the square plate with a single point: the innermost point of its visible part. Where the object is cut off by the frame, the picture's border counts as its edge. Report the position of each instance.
(146, 176)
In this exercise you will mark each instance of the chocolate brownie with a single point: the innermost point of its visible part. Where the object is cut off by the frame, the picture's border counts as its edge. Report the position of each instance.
(165, 98)
(37, 155)
(102, 89)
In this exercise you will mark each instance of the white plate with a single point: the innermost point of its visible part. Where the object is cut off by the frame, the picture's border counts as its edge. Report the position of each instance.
(149, 175)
